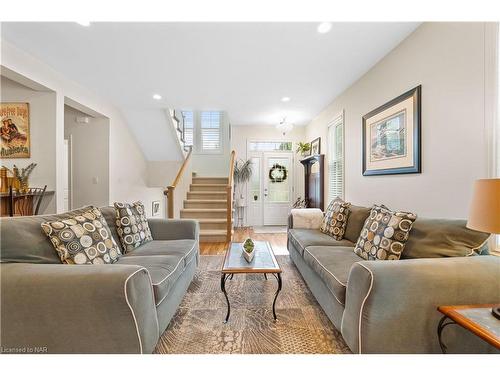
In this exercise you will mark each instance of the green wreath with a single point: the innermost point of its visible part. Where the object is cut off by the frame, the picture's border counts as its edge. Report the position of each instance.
(278, 173)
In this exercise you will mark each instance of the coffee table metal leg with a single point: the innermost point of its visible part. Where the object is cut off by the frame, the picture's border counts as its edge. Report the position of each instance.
(265, 276)
(223, 279)
(278, 277)
(440, 328)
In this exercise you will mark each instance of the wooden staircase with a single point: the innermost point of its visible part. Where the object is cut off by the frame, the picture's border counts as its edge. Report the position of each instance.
(206, 202)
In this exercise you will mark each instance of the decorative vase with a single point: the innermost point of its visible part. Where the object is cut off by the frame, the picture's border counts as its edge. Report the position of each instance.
(248, 256)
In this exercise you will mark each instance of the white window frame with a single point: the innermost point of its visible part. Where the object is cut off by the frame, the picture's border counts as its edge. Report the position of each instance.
(337, 121)
(197, 134)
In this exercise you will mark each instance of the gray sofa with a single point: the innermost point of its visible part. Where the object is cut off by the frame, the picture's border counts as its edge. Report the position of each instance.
(124, 307)
(391, 306)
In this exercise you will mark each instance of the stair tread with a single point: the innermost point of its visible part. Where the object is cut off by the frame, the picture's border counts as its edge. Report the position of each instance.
(209, 220)
(224, 184)
(205, 200)
(204, 209)
(208, 192)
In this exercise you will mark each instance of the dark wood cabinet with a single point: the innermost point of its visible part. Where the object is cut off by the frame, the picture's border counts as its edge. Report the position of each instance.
(314, 180)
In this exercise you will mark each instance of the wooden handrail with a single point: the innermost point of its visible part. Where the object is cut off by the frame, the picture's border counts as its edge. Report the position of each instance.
(169, 191)
(229, 196)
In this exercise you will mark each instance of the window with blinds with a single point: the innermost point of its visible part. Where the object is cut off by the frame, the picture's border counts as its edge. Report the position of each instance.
(188, 121)
(336, 158)
(210, 131)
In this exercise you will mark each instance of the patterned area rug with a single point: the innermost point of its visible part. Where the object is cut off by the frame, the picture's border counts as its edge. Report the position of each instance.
(198, 328)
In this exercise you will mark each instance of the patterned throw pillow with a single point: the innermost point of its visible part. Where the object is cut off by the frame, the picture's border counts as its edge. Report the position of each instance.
(132, 225)
(384, 234)
(83, 238)
(335, 219)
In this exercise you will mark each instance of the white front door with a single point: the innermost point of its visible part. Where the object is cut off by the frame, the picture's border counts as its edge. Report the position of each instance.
(277, 184)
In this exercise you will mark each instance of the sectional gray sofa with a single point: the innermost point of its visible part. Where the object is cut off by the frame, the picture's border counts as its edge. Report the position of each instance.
(124, 307)
(390, 306)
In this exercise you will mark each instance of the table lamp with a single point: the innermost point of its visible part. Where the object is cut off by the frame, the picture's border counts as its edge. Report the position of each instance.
(484, 214)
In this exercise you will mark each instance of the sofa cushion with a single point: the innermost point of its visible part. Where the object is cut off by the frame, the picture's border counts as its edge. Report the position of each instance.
(332, 264)
(187, 249)
(83, 238)
(335, 219)
(384, 234)
(303, 238)
(435, 238)
(163, 269)
(23, 241)
(132, 225)
(355, 222)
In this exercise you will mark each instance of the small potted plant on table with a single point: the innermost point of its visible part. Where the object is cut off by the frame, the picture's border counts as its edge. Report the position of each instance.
(248, 250)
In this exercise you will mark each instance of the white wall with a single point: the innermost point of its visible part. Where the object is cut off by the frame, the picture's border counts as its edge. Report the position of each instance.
(42, 137)
(240, 135)
(127, 164)
(448, 60)
(90, 158)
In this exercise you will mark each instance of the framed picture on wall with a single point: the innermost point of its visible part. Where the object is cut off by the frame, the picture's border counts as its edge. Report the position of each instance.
(156, 208)
(316, 146)
(392, 136)
(15, 130)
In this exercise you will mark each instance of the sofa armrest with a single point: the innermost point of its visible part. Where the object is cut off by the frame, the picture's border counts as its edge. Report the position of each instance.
(174, 229)
(56, 308)
(391, 306)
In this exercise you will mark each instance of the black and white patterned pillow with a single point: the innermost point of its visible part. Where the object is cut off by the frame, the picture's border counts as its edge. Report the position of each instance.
(335, 219)
(132, 225)
(384, 234)
(83, 238)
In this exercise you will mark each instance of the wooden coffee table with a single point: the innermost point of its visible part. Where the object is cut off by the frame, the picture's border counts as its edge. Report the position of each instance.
(475, 318)
(263, 261)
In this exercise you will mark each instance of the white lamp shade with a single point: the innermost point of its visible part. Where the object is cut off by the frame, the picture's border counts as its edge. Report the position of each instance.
(484, 214)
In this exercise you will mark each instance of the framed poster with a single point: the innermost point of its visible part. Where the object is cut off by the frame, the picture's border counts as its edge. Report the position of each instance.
(316, 146)
(392, 136)
(155, 210)
(15, 130)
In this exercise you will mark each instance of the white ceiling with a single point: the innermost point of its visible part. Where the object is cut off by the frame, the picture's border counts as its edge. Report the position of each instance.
(242, 68)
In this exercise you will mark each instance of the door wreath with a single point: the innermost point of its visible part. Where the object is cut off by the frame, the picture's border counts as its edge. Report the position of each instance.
(278, 173)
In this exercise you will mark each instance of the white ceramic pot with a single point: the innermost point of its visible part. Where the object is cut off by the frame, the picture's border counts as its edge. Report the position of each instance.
(248, 256)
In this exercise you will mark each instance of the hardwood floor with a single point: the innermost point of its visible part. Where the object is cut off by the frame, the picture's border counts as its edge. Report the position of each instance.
(277, 241)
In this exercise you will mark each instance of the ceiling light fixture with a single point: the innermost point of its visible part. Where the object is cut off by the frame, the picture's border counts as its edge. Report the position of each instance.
(285, 99)
(284, 126)
(83, 23)
(324, 27)
(157, 97)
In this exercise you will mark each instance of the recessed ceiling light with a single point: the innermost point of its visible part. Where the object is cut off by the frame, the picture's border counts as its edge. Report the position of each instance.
(324, 27)
(83, 23)
(157, 97)
(285, 99)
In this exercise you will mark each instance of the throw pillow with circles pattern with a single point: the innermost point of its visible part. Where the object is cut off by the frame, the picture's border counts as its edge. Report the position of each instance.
(83, 239)
(335, 219)
(132, 225)
(384, 234)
